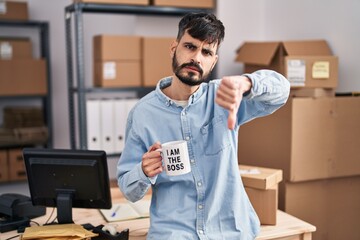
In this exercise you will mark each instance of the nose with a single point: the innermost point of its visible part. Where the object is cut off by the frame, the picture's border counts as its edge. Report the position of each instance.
(196, 57)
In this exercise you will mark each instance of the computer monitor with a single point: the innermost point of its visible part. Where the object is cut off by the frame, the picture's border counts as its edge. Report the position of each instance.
(67, 179)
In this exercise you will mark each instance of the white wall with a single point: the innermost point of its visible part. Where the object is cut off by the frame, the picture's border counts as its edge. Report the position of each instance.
(336, 21)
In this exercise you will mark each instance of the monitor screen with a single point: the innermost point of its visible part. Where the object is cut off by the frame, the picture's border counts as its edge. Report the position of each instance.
(67, 179)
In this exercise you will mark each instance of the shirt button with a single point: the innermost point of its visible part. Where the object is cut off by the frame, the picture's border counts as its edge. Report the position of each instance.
(192, 160)
(187, 138)
(183, 113)
(199, 184)
(200, 206)
(201, 231)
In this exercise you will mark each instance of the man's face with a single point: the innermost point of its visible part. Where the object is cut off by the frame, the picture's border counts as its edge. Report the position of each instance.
(193, 60)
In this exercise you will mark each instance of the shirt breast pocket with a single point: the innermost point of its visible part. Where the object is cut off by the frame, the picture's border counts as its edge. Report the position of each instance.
(215, 135)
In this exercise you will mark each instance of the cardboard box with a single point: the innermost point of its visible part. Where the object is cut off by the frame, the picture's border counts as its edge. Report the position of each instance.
(185, 3)
(157, 62)
(261, 186)
(22, 77)
(4, 167)
(309, 138)
(116, 47)
(13, 10)
(118, 74)
(17, 169)
(15, 48)
(27, 116)
(332, 205)
(128, 2)
(305, 63)
(117, 61)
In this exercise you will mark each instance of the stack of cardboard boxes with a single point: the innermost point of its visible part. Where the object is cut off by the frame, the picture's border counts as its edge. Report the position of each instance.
(12, 165)
(313, 138)
(20, 73)
(130, 61)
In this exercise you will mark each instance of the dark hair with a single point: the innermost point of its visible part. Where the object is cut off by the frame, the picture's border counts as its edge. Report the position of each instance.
(202, 26)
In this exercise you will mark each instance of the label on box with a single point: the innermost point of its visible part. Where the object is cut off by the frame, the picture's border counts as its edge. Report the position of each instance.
(321, 70)
(2, 7)
(5, 50)
(109, 70)
(296, 70)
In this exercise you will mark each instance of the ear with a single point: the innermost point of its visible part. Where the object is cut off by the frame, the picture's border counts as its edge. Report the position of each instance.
(215, 61)
(173, 48)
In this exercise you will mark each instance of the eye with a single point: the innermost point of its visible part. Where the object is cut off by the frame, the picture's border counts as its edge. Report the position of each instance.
(190, 46)
(207, 52)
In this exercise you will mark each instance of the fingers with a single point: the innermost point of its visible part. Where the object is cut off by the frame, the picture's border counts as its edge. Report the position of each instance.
(152, 161)
(229, 97)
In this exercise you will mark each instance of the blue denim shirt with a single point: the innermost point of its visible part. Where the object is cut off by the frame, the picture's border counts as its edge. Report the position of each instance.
(209, 202)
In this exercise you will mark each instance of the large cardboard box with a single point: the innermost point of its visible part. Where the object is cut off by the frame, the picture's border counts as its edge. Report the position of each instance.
(185, 3)
(157, 62)
(22, 77)
(4, 167)
(11, 10)
(128, 2)
(305, 63)
(332, 205)
(17, 169)
(117, 61)
(15, 48)
(261, 186)
(309, 138)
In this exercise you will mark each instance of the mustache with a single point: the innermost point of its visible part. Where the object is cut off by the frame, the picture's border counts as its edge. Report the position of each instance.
(192, 64)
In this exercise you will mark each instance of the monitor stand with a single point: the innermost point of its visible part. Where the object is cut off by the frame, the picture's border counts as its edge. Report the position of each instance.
(7, 225)
(64, 207)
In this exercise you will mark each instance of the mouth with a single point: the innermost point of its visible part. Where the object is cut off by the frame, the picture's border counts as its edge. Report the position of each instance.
(192, 68)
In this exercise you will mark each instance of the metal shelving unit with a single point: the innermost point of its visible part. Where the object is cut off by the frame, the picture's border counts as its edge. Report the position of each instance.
(43, 28)
(76, 11)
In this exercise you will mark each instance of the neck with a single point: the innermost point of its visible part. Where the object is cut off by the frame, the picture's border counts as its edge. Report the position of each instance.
(178, 90)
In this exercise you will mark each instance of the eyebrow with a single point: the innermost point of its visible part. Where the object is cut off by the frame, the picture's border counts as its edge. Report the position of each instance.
(192, 44)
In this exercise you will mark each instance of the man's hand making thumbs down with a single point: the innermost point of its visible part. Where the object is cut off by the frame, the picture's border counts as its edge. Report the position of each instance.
(230, 93)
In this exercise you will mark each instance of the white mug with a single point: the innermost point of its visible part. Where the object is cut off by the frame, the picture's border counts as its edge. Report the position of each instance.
(175, 156)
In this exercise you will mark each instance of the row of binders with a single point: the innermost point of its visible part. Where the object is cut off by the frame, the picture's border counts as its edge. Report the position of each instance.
(106, 123)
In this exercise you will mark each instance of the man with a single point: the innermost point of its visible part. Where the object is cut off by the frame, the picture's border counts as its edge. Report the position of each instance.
(209, 202)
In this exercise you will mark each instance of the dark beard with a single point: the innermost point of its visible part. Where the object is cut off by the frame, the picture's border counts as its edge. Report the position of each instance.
(190, 77)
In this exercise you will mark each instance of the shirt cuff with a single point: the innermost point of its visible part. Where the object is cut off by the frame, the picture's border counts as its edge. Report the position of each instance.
(150, 180)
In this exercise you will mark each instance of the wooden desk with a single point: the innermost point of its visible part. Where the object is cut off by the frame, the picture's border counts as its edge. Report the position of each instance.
(288, 227)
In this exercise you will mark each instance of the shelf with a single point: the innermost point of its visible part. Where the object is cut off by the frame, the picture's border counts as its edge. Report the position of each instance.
(132, 9)
(17, 23)
(43, 30)
(76, 60)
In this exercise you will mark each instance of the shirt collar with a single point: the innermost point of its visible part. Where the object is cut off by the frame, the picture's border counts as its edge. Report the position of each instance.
(165, 82)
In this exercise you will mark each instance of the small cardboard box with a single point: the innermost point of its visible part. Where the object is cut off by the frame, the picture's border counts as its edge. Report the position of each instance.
(154, 70)
(17, 169)
(261, 186)
(4, 167)
(308, 138)
(15, 48)
(11, 10)
(304, 63)
(332, 205)
(117, 74)
(117, 61)
(128, 2)
(22, 77)
(185, 3)
(116, 47)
